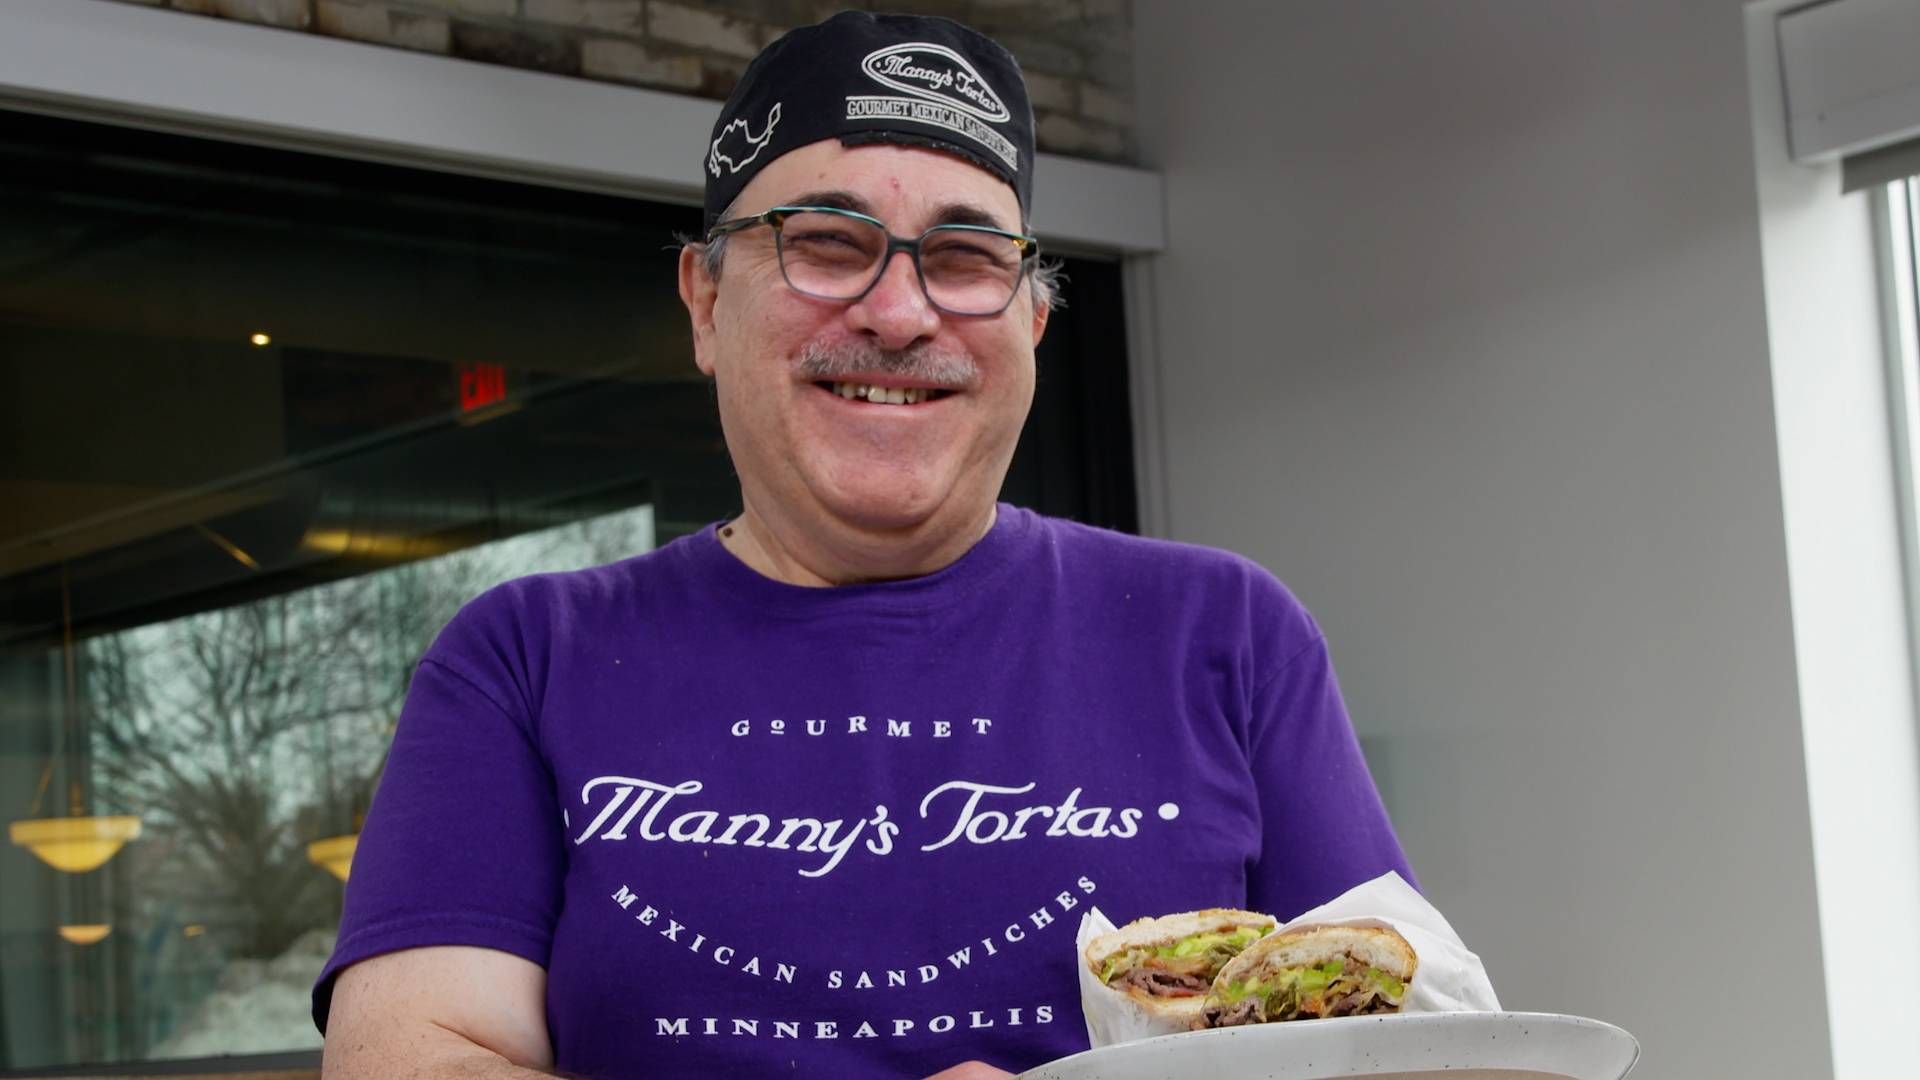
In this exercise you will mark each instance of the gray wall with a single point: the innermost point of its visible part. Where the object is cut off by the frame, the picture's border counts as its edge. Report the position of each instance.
(1461, 332)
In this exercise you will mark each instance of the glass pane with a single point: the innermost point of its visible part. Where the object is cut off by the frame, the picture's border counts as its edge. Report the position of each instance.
(266, 421)
(243, 738)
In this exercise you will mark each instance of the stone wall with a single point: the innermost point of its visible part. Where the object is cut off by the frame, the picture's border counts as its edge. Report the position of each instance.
(1077, 54)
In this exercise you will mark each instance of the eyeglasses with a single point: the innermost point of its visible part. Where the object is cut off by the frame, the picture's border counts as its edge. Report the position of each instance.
(833, 254)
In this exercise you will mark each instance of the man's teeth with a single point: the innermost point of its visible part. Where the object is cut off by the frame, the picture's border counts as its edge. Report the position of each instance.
(882, 395)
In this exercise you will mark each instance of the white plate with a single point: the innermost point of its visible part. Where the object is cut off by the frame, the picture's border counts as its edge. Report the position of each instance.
(1459, 1046)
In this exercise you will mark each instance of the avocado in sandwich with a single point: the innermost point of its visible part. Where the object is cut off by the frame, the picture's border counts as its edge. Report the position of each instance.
(1168, 964)
(1312, 972)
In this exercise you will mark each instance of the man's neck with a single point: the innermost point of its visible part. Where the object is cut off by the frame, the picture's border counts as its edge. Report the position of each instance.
(849, 555)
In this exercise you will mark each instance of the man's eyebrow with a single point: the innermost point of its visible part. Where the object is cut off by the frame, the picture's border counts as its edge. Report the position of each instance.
(832, 200)
(968, 214)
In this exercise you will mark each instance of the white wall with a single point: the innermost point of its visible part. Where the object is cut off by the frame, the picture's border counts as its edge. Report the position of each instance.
(1461, 330)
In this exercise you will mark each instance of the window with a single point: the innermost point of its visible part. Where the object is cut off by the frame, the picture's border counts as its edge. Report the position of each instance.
(266, 420)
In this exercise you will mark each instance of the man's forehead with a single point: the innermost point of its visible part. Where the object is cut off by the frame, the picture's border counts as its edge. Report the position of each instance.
(882, 179)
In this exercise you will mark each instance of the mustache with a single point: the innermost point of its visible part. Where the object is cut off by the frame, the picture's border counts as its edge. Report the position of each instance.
(922, 363)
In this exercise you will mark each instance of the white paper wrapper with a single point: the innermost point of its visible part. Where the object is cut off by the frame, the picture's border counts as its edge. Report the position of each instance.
(1450, 977)
(1111, 1017)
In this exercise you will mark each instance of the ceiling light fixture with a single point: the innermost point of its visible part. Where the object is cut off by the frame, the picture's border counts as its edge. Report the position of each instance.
(75, 845)
(79, 842)
(86, 933)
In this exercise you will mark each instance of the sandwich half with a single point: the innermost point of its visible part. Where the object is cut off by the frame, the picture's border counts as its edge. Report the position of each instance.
(1168, 964)
(1313, 972)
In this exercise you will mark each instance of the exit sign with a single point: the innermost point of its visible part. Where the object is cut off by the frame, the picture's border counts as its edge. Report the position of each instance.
(482, 385)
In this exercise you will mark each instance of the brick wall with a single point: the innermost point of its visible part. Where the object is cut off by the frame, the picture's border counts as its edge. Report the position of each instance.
(1077, 54)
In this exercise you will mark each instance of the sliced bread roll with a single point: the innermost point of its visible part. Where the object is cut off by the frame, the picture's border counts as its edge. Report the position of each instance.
(1166, 965)
(1313, 972)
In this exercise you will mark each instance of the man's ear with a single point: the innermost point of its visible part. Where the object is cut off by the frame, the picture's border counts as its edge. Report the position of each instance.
(699, 291)
(1041, 312)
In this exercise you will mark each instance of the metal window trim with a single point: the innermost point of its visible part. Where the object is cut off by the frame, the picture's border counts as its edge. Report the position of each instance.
(1144, 392)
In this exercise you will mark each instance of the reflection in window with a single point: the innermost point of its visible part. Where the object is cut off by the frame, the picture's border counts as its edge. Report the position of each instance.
(244, 736)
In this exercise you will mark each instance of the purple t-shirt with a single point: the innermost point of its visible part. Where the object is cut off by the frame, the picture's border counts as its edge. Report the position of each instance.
(752, 828)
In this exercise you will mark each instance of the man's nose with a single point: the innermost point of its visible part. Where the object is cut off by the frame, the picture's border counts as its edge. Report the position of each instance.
(896, 310)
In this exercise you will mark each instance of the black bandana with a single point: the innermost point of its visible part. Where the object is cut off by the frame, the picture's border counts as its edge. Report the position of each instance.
(863, 78)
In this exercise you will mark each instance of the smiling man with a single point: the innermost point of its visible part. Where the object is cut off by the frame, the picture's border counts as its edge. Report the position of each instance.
(825, 789)
(871, 392)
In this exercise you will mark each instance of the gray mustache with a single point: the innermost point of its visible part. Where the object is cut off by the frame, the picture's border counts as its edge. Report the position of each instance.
(920, 363)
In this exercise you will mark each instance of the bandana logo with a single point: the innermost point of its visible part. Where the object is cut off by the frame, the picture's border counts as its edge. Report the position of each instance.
(862, 107)
(935, 73)
(737, 144)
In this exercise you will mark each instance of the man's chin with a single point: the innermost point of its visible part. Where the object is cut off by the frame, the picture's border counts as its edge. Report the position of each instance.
(885, 508)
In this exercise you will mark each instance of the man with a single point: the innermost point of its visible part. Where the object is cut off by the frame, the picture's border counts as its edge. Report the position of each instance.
(826, 789)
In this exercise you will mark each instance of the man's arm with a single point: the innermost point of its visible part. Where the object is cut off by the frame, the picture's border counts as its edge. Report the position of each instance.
(1324, 829)
(457, 1013)
(438, 1014)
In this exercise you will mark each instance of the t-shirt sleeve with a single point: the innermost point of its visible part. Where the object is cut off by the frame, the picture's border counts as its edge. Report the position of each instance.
(1323, 826)
(463, 843)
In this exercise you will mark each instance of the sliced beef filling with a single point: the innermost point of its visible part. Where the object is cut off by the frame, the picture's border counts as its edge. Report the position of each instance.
(1253, 1009)
(1248, 1010)
(1356, 1003)
(1162, 983)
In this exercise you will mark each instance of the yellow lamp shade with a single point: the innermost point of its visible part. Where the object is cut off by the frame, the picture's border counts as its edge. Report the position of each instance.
(334, 853)
(86, 933)
(74, 844)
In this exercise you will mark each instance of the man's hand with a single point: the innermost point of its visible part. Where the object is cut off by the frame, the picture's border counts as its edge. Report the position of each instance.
(971, 1070)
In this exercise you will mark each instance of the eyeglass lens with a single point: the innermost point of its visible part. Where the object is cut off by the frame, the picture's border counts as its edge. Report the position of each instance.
(966, 271)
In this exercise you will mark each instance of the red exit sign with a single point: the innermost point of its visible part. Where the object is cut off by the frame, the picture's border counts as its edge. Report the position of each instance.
(482, 385)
